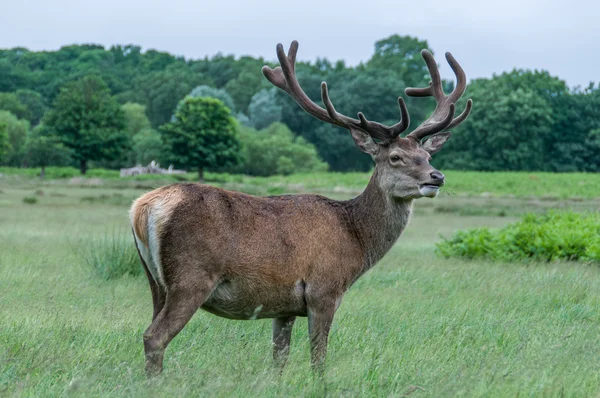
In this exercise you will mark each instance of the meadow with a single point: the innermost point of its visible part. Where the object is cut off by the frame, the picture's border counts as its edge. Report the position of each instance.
(417, 324)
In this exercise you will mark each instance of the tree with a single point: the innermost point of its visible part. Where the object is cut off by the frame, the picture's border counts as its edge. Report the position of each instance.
(211, 92)
(507, 130)
(242, 88)
(148, 146)
(275, 150)
(203, 134)
(43, 150)
(10, 102)
(264, 109)
(34, 103)
(17, 134)
(161, 91)
(4, 142)
(135, 118)
(402, 55)
(89, 121)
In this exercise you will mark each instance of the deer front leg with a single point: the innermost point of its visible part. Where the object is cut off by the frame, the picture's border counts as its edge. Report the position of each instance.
(282, 333)
(320, 318)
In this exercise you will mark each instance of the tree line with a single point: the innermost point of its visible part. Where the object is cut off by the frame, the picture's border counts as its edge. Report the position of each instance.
(89, 105)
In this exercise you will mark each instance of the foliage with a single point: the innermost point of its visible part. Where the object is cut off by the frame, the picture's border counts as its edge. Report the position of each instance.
(88, 121)
(522, 120)
(135, 118)
(555, 236)
(148, 146)
(17, 134)
(161, 91)
(4, 141)
(275, 150)
(30, 200)
(36, 107)
(42, 150)
(10, 102)
(264, 109)
(211, 92)
(402, 55)
(112, 256)
(202, 135)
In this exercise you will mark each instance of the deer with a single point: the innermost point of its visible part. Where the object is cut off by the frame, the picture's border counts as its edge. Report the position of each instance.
(246, 257)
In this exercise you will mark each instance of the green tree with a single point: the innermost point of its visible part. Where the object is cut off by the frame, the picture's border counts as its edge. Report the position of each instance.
(203, 135)
(34, 103)
(148, 146)
(264, 109)
(243, 87)
(42, 150)
(4, 142)
(402, 55)
(135, 118)
(17, 134)
(10, 102)
(211, 92)
(87, 119)
(275, 150)
(507, 130)
(161, 91)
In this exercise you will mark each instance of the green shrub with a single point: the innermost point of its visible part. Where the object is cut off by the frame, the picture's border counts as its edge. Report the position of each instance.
(551, 237)
(30, 200)
(275, 150)
(112, 256)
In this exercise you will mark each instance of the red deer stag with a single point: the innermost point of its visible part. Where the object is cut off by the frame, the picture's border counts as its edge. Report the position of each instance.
(246, 257)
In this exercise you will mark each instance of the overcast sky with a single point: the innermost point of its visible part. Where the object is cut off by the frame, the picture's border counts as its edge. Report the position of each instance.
(486, 37)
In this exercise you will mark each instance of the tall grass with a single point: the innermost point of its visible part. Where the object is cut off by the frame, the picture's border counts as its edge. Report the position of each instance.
(111, 256)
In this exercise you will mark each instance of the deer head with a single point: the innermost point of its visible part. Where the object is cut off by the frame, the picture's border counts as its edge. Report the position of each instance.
(402, 163)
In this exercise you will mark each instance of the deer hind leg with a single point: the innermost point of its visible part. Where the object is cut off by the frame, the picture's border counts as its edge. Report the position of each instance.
(181, 304)
(282, 333)
(159, 295)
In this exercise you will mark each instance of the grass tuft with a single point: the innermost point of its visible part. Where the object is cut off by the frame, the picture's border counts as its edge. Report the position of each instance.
(112, 256)
(30, 200)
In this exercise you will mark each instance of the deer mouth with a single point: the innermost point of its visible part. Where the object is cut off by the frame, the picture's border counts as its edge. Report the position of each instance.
(429, 190)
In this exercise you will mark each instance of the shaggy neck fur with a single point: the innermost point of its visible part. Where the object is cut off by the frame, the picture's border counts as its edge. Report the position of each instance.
(378, 220)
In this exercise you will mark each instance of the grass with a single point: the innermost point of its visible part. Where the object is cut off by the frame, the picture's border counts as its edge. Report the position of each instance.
(538, 185)
(416, 324)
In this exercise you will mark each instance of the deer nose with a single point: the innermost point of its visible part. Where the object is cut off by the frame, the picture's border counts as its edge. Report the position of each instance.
(437, 177)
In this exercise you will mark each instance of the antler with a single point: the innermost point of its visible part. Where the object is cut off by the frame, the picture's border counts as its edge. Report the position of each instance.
(442, 117)
(284, 77)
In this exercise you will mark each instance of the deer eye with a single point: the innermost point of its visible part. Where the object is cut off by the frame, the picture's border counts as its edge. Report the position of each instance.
(396, 159)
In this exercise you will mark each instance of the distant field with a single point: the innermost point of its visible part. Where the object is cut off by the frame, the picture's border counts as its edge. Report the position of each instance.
(415, 325)
(546, 186)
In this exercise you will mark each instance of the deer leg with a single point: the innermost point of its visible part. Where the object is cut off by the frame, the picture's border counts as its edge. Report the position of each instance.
(320, 319)
(158, 293)
(282, 332)
(180, 305)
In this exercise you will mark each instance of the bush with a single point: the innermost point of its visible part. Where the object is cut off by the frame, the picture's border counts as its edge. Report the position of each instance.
(112, 257)
(276, 150)
(30, 200)
(555, 236)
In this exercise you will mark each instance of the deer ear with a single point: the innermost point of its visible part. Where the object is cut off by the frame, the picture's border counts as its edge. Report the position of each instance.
(435, 142)
(363, 141)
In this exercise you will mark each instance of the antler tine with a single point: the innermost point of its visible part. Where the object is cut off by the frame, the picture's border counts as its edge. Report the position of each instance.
(443, 114)
(284, 77)
(461, 78)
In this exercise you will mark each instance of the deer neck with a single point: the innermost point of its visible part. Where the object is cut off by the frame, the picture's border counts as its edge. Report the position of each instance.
(378, 220)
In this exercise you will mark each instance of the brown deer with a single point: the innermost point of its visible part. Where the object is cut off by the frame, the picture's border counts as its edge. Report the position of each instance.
(246, 257)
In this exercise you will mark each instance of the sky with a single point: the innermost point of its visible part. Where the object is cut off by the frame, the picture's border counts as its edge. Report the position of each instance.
(486, 37)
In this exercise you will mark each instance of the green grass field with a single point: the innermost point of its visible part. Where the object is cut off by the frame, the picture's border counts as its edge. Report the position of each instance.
(415, 325)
